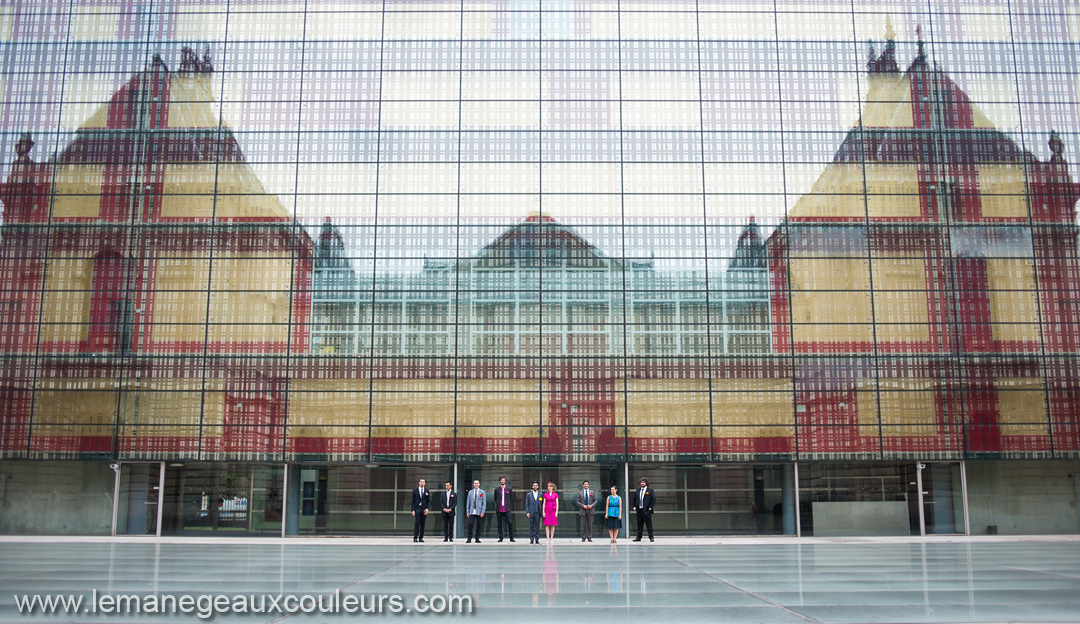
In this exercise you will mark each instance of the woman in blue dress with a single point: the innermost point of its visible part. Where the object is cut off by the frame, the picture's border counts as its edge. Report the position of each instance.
(614, 514)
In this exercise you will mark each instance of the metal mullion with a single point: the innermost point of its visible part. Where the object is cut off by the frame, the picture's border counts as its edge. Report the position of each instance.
(784, 235)
(870, 275)
(456, 264)
(292, 239)
(375, 232)
(1034, 253)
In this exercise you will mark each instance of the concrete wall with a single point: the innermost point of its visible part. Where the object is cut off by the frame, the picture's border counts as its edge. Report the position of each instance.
(1023, 497)
(56, 498)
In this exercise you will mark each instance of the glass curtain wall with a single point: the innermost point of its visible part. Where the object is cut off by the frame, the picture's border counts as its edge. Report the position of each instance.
(240, 234)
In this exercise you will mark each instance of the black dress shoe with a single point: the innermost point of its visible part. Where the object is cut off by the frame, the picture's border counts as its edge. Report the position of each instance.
(583, 539)
(637, 539)
(511, 539)
(421, 539)
(478, 540)
(446, 539)
(468, 541)
(414, 539)
(650, 539)
(590, 539)
(451, 539)
(500, 539)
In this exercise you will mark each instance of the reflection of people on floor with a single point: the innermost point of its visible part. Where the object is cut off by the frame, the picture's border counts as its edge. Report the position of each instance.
(476, 583)
(614, 580)
(643, 588)
(551, 575)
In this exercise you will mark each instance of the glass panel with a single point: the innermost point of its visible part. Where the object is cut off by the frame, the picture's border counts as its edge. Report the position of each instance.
(139, 499)
(943, 499)
(740, 499)
(224, 499)
(359, 500)
(858, 499)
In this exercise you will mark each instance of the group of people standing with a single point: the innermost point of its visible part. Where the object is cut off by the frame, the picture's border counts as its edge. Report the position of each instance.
(541, 509)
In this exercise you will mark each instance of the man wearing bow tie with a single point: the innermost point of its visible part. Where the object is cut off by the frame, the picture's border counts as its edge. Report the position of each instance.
(643, 502)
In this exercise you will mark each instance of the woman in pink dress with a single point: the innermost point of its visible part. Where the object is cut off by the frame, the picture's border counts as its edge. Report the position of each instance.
(551, 511)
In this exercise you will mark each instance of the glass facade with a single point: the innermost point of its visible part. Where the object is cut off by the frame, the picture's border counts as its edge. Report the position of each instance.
(241, 235)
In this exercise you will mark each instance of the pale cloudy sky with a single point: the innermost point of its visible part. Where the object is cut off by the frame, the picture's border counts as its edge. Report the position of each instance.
(722, 113)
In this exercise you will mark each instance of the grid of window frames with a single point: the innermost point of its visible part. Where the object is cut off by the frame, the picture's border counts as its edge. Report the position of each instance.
(539, 231)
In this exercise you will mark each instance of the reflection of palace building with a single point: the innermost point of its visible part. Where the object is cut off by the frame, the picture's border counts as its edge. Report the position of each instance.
(540, 289)
(147, 236)
(912, 321)
(941, 259)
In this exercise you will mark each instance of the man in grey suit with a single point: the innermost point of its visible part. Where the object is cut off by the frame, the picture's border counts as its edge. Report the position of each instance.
(586, 502)
(534, 509)
(475, 506)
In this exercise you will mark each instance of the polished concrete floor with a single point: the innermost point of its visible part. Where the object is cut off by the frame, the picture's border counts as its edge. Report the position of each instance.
(672, 580)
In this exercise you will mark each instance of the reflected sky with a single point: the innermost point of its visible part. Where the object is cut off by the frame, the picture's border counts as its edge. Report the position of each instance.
(336, 105)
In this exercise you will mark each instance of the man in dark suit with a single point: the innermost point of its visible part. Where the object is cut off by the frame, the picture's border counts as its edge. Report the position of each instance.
(448, 502)
(421, 503)
(504, 508)
(534, 510)
(643, 502)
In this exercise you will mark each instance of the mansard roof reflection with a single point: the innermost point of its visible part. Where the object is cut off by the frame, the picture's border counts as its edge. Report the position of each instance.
(540, 236)
(167, 119)
(923, 151)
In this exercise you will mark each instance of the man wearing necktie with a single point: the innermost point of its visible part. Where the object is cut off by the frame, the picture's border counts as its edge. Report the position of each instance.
(421, 503)
(586, 502)
(448, 502)
(475, 507)
(534, 511)
(644, 499)
(503, 508)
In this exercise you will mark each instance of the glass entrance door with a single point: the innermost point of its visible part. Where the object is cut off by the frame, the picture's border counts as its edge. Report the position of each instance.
(936, 499)
(942, 499)
(138, 499)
